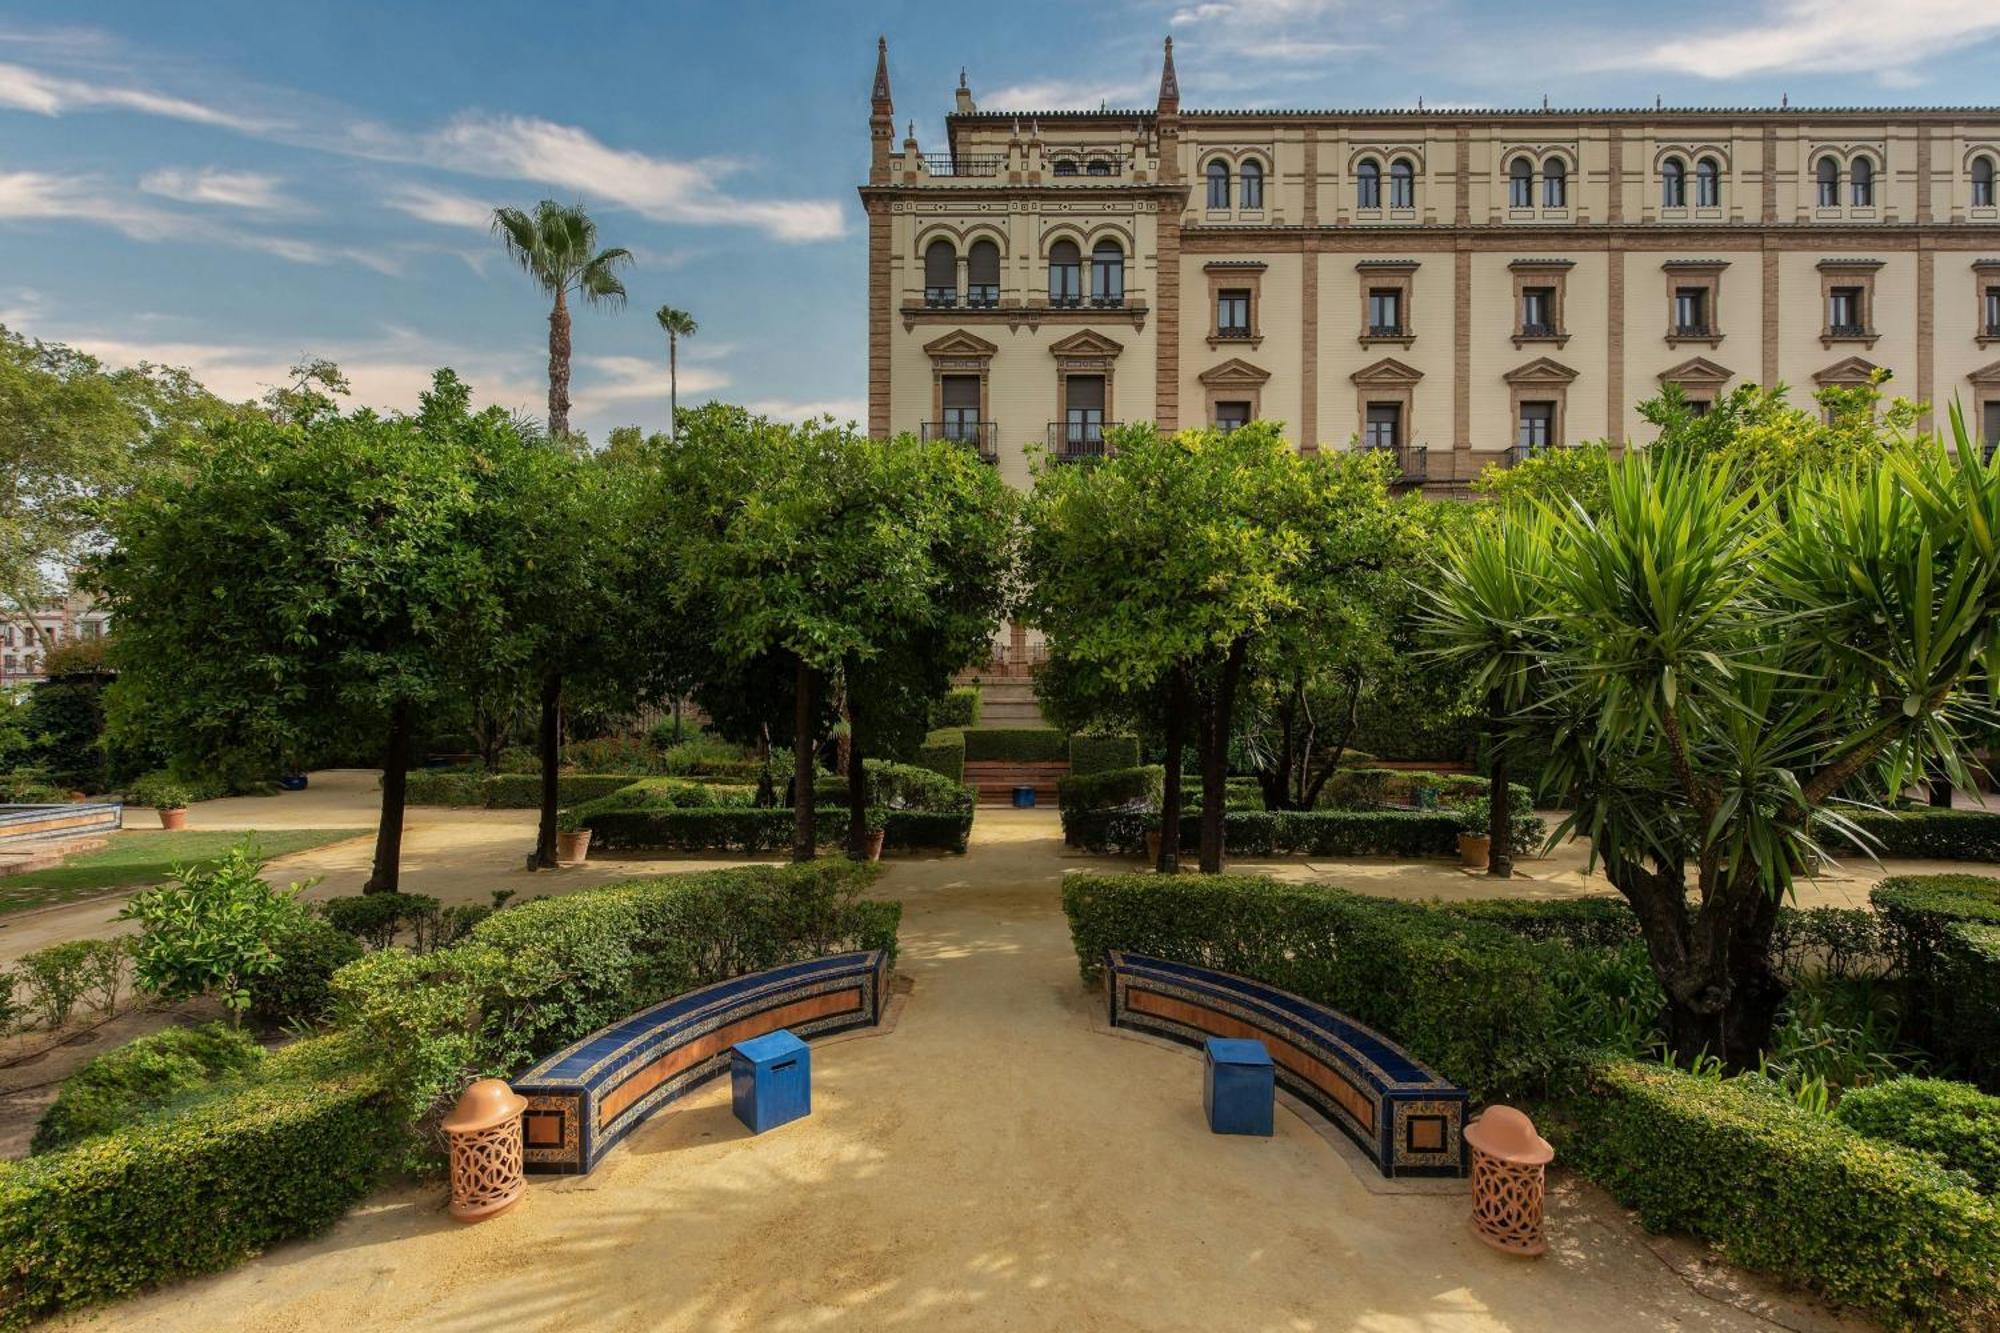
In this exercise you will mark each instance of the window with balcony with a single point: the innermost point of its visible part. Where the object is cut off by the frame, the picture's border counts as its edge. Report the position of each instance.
(1826, 183)
(960, 400)
(1537, 426)
(1368, 184)
(1989, 313)
(1218, 184)
(1673, 184)
(1250, 184)
(1065, 166)
(1402, 184)
(1384, 426)
(1083, 414)
(1385, 312)
(1107, 274)
(1521, 184)
(1861, 183)
(1232, 415)
(1982, 182)
(982, 275)
(1538, 312)
(1708, 183)
(1065, 274)
(940, 274)
(1232, 313)
(1100, 166)
(1846, 316)
(1555, 184)
(1691, 312)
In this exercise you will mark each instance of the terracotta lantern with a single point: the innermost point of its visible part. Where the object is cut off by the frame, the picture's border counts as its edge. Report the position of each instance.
(1509, 1168)
(485, 1133)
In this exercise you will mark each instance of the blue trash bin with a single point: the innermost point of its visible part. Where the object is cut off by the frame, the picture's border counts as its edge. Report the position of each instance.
(1239, 1086)
(1024, 798)
(770, 1080)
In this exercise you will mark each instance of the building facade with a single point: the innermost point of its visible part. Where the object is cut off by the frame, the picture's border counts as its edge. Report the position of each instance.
(26, 639)
(1460, 287)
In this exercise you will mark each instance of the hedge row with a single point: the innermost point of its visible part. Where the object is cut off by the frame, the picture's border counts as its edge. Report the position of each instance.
(943, 753)
(1280, 832)
(1133, 786)
(1945, 931)
(900, 787)
(1464, 997)
(765, 830)
(508, 791)
(1781, 1189)
(959, 708)
(1952, 1122)
(1098, 754)
(1016, 745)
(1930, 835)
(196, 1188)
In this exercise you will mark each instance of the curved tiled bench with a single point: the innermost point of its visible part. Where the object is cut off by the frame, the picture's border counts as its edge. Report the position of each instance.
(1409, 1120)
(585, 1098)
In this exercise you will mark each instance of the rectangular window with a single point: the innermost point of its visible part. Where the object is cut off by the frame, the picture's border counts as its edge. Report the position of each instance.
(1990, 429)
(1083, 414)
(1232, 313)
(1230, 416)
(1384, 426)
(1990, 317)
(1538, 422)
(1844, 315)
(1538, 306)
(1697, 407)
(961, 407)
(1385, 312)
(1691, 311)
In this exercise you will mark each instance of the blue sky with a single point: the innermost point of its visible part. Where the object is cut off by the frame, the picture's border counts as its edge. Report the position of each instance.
(232, 186)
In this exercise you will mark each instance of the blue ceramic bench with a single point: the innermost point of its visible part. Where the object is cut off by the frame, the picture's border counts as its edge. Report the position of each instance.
(585, 1098)
(1405, 1117)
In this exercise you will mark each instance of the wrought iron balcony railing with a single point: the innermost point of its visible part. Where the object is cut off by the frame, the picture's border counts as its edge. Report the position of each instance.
(1412, 460)
(1538, 330)
(982, 297)
(1065, 301)
(1109, 302)
(983, 437)
(1692, 330)
(1521, 453)
(944, 164)
(1233, 331)
(941, 298)
(1071, 441)
(1385, 331)
(1847, 331)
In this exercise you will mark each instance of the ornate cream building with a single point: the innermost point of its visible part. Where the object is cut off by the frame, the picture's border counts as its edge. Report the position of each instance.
(1459, 286)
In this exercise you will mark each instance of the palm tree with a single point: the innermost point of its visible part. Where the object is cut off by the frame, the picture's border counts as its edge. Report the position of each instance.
(556, 245)
(679, 324)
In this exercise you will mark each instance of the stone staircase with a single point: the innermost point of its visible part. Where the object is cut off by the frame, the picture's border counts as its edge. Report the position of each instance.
(995, 780)
(44, 853)
(1009, 701)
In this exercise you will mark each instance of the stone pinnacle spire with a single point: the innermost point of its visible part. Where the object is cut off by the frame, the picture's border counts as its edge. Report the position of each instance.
(1170, 85)
(880, 98)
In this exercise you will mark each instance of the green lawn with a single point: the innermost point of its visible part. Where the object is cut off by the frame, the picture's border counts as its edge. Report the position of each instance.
(137, 859)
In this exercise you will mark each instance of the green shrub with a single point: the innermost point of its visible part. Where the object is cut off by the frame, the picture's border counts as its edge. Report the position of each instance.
(1929, 835)
(1579, 923)
(1866, 1224)
(896, 786)
(707, 756)
(31, 786)
(742, 830)
(1281, 832)
(927, 830)
(196, 1188)
(1356, 789)
(536, 977)
(1016, 745)
(523, 791)
(1971, 971)
(118, 1087)
(162, 791)
(377, 918)
(298, 989)
(1952, 1122)
(57, 977)
(1953, 1004)
(1465, 998)
(943, 752)
(1129, 788)
(1839, 943)
(1098, 754)
(212, 930)
(445, 786)
(958, 708)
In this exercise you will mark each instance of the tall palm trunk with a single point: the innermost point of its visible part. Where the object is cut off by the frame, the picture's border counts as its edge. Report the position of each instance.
(673, 387)
(559, 366)
(385, 877)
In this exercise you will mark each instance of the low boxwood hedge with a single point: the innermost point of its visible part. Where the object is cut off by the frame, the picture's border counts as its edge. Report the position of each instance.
(958, 708)
(1953, 1122)
(766, 830)
(1280, 832)
(1135, 787)
(943, 752)
(1939, 927)
(1098, 754)
(199, 1187)
(1016, 745)
(896, 786)
(1930, 835)
(445, 786)
(1867, 1224)
(129, 1082)
(514, 791)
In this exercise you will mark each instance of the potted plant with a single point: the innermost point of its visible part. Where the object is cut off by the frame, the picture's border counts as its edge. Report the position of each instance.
(1475, 843)
(875, 821)
(572, 839)
(165, 795)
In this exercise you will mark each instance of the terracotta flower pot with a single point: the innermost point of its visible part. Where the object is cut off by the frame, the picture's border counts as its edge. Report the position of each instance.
(873, 846)
(572, 848)
(1474, 850)
(173, 819)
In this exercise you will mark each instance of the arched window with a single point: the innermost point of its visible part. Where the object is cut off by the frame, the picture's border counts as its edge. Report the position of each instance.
(1862, 174)
(1555, 184)
(1368, 184)
(1827, 180)
(940, 273)
(1065, 166)
(1402, 184)
(1708, 183)
(1107, 274)
(1218, 184)
(1065, 274)
(982, 275)
(1673, 184)
(1098, 166)
(1982, 182)
(1521, 184)
(1250, 184)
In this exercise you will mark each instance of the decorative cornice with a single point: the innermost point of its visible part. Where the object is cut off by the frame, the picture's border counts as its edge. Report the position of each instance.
(1697, 370)
(1234, 371)
(1694, 265)
(1536, 265)
(1847, 370)
(1542, 370)
(1387, 371)
(1849, 265)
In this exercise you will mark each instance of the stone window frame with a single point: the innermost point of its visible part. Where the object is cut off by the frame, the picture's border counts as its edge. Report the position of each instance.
(1699, 378)
(1848, 273)
(1386, 381)
(1550, 273)
(1384, 274)
(1985, 383)
(1707, 275)
(1985, 274)
(1542, 380)
(1235, 380)
(961, 353)
(1986, 212)
(1085, 352)
(1231, 275)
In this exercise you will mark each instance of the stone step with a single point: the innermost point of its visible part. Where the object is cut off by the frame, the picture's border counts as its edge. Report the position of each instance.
(23, 857)
(995, 780)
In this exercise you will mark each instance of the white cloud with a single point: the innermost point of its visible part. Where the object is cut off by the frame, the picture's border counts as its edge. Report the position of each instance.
(443, 207)
(52, 95)
(252, 190)
(1818, 36)
(783, 409)
(1072, 95)
(618, 379)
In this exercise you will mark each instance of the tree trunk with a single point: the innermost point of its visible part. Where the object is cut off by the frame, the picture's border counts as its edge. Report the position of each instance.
(1170, 795)
(550, 745)
(857, 787)
(805, 835)
(386, 876)
(1500, 805)
(1219, 714)
(559, 367)
(1939, 785)
(673, 387)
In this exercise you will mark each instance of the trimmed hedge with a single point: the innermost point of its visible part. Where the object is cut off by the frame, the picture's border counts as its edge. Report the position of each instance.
(1134, 787)
(444, 786)
(1939, 928)
(1464, 997)
(1972, 974)
(125, 1084)
(959, 708)
(943, 752)
(510, 791)
(1017, 745)
(197, 1188)
(900, 787)
(1578, 923)
(1930, 835)
(1099, 754)
(1867, 1224)
(766, 830)
(1280, 832)
(1956, 1124)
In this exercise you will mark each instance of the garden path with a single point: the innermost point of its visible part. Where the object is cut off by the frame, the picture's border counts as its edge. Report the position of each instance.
(996, 1161)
